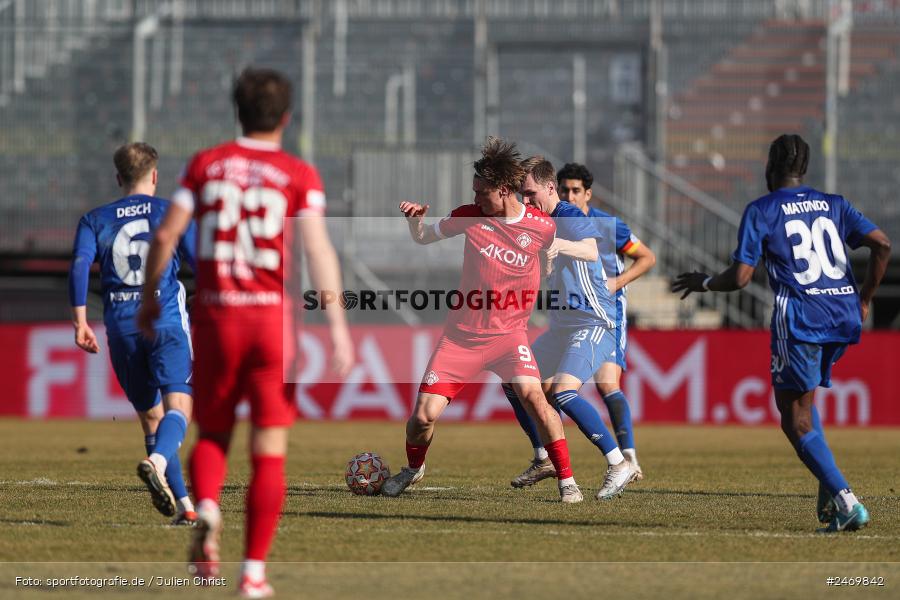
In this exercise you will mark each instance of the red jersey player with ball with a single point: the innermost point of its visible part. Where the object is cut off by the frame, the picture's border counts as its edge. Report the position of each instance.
(500, 281)
(240, 193)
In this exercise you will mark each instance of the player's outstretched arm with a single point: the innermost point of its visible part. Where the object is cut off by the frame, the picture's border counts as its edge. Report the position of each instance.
(84, 335)
(415, 215)
(643, 258)
(165, 238)
(325, 273)
(85, 250)
(734, 278)
(585, 249)
(880, 253)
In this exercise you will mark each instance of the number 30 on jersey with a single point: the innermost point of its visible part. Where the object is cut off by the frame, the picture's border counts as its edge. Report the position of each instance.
(812, 249)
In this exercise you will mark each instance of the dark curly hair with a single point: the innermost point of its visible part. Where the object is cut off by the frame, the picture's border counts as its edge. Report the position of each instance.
(575, 171)
(500, 165)
(788, 158)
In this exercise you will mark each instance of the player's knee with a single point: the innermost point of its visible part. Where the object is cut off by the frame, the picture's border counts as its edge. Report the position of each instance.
(801, 426)
(535, 398)
(179, 401)
(421, 420)
(560, 388)
(607, 388)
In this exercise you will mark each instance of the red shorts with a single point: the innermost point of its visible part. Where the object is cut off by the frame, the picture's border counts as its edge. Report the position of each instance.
(236, 360)
(460, 356)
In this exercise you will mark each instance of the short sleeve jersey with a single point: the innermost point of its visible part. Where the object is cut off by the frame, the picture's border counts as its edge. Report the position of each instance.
(801, 234)
(240, 193)
(501, 260)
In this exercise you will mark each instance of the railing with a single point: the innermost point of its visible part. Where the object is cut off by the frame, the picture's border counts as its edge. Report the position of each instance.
(37, 35)
(722, 10)
(687, 229)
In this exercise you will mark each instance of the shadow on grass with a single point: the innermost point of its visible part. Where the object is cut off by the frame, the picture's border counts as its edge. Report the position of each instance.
(35, 522)
(453, 494)
(471, 519)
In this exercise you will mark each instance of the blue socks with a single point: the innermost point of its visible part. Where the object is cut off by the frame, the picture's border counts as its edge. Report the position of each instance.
(169, 436)
(817, 421)
(524, 419)
(587, 418)
(150, 443)
(173, 469)
(816, 455)
(170, 433)
(620, 417)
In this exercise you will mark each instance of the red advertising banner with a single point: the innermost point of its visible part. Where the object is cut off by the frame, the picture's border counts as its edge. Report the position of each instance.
(696, 377)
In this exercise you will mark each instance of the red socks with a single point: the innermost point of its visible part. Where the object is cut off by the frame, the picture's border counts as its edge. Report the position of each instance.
(558, 452)
(416, 455)
(265, 498)
(208, 467)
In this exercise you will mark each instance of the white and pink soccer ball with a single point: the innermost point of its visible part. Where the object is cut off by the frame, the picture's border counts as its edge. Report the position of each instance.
(366, 473)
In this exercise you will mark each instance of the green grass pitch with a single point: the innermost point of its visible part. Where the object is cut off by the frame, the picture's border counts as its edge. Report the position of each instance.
(722, 511)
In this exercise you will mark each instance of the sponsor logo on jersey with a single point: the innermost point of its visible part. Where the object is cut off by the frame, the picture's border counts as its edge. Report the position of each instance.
(803, 206)
(125, 296)
(524, 240)
(134, 211)
(487, 227)
(431, 378)
(841, 291)
(505, 255)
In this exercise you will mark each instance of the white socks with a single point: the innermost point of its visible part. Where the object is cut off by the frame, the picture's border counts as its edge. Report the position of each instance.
(630, 455)
(185, 504)
(159, 461)
(540, 454)
(208, 509)
(614, 457)
(254, 569)
(845, 501)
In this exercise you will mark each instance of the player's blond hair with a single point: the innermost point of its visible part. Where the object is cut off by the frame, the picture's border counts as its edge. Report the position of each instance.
(133, 161)
(540, 169)
(500, 165)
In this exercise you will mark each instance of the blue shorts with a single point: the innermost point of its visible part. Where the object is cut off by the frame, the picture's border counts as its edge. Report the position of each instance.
(621, 335)
(145, 369)
(578, 351)
(803, 367)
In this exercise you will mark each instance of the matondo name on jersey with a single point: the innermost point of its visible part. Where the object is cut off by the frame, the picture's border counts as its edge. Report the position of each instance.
(805, 206)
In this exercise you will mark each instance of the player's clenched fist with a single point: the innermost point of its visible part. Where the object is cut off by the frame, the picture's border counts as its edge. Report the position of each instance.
(412, 210)
(415, 214)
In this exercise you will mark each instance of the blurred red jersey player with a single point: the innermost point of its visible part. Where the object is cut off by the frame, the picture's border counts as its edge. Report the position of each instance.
(503, 239)
(240, 193)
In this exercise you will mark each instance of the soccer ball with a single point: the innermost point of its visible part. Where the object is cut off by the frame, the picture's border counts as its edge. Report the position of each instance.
(365, 474)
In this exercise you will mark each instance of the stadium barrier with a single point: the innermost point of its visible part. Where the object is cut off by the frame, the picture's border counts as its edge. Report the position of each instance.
(691, 377)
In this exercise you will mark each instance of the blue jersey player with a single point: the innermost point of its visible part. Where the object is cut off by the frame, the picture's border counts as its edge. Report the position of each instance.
(155, 374)
(801, 234)
(574, 183)
(581, 336)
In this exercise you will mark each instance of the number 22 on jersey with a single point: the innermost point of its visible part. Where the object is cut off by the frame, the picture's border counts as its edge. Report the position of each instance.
(250, 229)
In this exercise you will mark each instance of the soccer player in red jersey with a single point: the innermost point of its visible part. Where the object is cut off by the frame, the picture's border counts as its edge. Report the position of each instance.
(501, 261)
(240, 193)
